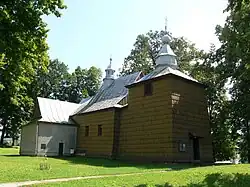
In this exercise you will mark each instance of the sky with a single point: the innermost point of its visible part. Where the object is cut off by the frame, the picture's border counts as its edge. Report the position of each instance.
(89, 31)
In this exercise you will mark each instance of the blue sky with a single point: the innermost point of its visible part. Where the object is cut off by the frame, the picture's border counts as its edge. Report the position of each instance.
(89, 31)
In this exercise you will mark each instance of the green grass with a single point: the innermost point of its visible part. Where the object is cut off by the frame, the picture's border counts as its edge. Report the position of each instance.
(212, 176)
(9, 151)
(22, 168)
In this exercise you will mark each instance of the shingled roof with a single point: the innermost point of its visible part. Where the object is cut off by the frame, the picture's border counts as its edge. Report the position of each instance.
(161, 71)
(110, 96)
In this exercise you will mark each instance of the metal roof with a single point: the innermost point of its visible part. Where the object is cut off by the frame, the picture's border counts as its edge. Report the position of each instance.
(166, 55)
(164, 70)
(84, 100)
(82, 104)
(55, 111)
(107, 97)
(104, 104)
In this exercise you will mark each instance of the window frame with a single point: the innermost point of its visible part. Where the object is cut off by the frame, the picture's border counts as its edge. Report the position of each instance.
(148, 89)
(43, 146)
(99, 130)
(182, 147)
(86, 130)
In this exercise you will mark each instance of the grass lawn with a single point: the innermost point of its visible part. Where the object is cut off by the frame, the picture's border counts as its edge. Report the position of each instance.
(22, 168)
(9, 151)
(212, 176)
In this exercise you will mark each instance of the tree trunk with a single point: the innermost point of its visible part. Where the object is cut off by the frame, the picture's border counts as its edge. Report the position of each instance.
(3, 133)
(13, 141)
(248, 141)
(213, 149)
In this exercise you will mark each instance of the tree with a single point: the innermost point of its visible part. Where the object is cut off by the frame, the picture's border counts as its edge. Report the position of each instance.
(93, 80)
(48, 83)
(23, 50)
(208, 73)
(142, 57)
(82, 83)
(58, 83)
(234, 66)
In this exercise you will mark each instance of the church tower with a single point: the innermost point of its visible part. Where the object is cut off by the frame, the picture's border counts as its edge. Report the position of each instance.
(109, 77)
(166, 56)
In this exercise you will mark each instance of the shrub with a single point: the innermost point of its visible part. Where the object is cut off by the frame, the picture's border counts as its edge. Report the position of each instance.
(44, 165)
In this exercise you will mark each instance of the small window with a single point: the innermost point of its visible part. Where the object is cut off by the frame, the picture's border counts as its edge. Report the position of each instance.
(148, 89)
(182, 147)
(43, 146)
(99, 130)
(86, 130)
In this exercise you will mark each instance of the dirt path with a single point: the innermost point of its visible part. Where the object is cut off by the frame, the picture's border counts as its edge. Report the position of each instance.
(28, 183)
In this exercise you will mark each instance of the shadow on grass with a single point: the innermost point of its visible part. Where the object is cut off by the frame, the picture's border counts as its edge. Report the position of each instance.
(108, 163)
(116, 163)
(214, 180)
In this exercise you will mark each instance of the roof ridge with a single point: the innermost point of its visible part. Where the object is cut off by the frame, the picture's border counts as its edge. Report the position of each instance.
(165, 71)
(128, 75)
(58, 100)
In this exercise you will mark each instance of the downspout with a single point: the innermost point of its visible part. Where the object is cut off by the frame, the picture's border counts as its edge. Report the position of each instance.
(37, 133)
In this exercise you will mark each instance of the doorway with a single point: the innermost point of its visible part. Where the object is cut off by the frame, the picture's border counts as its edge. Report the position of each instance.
(60, 151)
(196, 148)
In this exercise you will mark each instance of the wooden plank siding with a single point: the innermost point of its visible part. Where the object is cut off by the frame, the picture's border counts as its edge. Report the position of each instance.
(94, 145)
(190, 115)
(145, 129)
(151, 127)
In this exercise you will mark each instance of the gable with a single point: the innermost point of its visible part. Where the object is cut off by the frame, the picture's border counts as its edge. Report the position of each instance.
(36, 112)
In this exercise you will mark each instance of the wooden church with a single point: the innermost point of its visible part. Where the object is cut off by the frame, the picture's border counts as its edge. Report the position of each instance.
(161, 116)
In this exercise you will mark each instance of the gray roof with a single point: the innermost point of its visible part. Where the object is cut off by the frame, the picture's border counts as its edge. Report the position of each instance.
(164, 70)
(107, 97)
(166, 55)
(104, 104)
(85, 100)
(55, 111)
(82, 104)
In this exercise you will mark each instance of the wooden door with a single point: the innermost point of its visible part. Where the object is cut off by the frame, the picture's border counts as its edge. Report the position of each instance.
(196, 149)
(60, 151)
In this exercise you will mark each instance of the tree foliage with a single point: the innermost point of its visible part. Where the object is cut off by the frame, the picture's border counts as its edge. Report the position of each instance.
(58, 83)
(23, 50)
(82, 83)
(146, 47)
(218, 105)
(234, 52)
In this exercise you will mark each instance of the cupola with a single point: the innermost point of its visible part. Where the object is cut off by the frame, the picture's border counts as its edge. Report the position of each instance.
(166, 56)
(109, 77)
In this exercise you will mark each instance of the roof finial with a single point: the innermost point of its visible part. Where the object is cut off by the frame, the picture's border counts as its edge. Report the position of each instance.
(109, 78)
(110, 60)
(166, 56)
(166, 37)
(166, 24)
